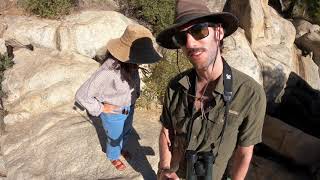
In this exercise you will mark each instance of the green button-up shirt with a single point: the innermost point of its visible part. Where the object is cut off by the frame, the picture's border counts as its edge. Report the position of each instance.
(244, 123)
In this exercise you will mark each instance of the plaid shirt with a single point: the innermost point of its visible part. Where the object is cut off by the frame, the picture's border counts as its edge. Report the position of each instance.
(106, 86)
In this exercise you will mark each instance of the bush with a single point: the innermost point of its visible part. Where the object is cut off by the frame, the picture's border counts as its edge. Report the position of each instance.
(161, 73)
(159, 14)
(49, 8)
(5, 63)
(307, 9)
(314, 10)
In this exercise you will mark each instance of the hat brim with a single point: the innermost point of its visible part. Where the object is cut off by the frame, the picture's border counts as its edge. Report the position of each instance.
(118, 49)
(141, 51)
(229, 23)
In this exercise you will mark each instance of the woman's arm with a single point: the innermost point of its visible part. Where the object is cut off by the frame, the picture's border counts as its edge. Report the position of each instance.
(87, 93)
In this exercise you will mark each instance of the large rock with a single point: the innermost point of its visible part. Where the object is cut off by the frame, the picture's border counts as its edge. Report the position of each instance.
(307, 69)
(61, 144)
(299, 106)
(253, 16)
(302, 27)
(310, 42)
(271, 38)
(237, 52)
(3, 48)
(265, 169)
(88, 32)
(3, 28)
(50, 81)
(31, 30)
(46, 138)
(291, 142)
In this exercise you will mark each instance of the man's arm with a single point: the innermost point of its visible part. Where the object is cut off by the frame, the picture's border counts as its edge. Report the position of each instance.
(164, 144)
(241, 162)
(165, 156)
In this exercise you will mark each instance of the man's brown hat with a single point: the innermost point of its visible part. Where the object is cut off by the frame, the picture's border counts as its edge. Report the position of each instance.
(190, 10)
(134, 46)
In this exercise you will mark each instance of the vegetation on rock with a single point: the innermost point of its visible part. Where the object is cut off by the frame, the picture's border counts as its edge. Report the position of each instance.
(5, 63)
(159, 14)
(161, 73)
(48, 8)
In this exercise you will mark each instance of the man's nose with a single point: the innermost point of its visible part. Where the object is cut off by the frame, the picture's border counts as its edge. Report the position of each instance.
(190, 41)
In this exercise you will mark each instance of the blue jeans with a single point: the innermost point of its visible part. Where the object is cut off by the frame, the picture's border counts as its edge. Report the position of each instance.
(117, 128)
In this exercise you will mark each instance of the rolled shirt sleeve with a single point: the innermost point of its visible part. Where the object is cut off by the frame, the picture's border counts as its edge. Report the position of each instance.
(165, 117)
(250, 131)
(87, 93)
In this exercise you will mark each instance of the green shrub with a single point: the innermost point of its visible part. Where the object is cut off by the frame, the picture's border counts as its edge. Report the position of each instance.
(314, 10)
(48, 8)
(5, 63)
(161, 73)
(159, 14)
(308, 9)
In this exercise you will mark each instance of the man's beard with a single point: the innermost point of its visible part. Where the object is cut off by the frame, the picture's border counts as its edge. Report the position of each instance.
(210, 61)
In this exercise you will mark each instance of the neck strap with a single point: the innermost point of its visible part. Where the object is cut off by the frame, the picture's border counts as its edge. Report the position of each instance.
(227, 97)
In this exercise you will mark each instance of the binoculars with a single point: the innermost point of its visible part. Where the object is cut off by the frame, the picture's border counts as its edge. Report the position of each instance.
(199, 165)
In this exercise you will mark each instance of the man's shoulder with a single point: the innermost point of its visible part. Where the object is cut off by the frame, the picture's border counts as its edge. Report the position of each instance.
(175, 81)
(245, 82)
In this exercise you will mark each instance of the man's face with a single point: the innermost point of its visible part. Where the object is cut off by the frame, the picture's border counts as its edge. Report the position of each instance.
(199, 42)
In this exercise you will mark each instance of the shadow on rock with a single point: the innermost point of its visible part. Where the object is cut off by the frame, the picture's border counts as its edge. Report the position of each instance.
(274, 81)
(138, 160)
(299, 106)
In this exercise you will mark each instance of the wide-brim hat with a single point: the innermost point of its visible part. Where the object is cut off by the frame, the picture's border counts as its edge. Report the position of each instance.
(191, 10)
(134, 46)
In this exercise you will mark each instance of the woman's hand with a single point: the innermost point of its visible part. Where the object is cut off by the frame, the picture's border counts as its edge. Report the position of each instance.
(108, 108)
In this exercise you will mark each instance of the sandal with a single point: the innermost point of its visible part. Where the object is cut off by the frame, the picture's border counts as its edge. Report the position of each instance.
(118, 164)
(126, 154)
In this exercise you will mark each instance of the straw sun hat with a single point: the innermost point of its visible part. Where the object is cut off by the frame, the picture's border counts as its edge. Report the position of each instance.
(134, 46)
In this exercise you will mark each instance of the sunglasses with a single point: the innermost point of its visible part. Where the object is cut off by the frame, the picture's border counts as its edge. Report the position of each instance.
(198, 31)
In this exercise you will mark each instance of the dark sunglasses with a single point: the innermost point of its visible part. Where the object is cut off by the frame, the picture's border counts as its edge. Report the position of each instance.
(198, 31)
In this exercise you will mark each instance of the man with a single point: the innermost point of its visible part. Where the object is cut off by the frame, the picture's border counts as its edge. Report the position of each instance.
(212, 107)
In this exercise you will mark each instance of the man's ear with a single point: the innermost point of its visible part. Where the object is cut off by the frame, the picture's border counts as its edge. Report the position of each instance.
(219, 33)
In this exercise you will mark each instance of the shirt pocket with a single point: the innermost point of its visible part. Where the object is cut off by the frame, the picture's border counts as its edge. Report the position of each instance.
(216, 122)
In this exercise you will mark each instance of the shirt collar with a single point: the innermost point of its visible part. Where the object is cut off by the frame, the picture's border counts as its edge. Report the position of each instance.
(185, 81)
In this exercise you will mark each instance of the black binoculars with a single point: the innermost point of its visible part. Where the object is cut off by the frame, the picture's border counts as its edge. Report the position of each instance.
(199, 165)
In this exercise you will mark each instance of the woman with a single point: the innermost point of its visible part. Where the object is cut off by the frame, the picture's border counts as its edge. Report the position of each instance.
(113, 89)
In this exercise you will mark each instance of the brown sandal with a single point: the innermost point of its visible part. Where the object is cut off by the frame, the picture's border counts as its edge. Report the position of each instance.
(118, 164)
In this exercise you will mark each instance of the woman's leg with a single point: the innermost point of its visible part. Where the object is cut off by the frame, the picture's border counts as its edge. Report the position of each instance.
(113, 125)
(128, 125)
